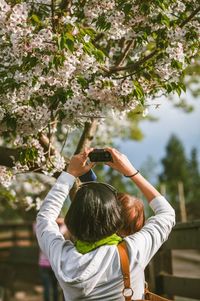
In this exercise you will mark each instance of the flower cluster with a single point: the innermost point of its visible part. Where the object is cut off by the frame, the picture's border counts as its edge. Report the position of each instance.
(26, 190)
(6, 177)
(62, 67)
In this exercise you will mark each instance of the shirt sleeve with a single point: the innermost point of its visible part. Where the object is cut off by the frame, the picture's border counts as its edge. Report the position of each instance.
(47, 231)
(155, 231)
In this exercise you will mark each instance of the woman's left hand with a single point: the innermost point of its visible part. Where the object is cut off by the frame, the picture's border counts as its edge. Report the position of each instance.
(78, 164)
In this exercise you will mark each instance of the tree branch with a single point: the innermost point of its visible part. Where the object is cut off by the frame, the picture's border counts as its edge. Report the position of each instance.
(87, 136)
(64, 5)
(85, 141)
(117, 68)
(46, 144)
(8, 156)
(53, 16)
(134, 65)
(190, 17)
(124, 54)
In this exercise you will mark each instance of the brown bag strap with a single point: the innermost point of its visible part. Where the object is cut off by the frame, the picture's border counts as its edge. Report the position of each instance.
(124, 259)
(127, 291)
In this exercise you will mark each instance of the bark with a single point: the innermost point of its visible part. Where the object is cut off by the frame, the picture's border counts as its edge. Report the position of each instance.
(193, 14)
(87, 136)
(124, 53)
(84, 142)
(8, 155)
(46, 144)
(135, 65)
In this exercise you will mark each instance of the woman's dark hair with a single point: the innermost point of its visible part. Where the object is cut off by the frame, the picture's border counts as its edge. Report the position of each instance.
(132, 212)
(94, 213)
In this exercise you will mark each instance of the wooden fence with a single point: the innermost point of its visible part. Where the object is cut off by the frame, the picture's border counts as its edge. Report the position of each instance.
(184, 236)
(19, 260)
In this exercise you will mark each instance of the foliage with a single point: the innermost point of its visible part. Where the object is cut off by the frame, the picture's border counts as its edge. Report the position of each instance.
(192, 83)
(178, 168)
(23, 198)
(63, 63)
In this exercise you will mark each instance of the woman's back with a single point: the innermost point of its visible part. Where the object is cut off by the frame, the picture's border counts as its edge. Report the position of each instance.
(96, 274)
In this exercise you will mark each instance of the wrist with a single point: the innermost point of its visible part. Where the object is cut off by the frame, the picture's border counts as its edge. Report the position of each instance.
(132, 174)
(71, 172)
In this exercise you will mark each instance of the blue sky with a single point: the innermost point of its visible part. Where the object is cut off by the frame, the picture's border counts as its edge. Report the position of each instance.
(171, 121)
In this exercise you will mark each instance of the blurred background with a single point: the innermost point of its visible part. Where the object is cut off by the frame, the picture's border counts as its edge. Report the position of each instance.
(164, 144)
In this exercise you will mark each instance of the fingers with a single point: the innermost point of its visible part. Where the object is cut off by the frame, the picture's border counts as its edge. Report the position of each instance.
(86, 152)
(109, 164)
(113, 151)
(90, 165)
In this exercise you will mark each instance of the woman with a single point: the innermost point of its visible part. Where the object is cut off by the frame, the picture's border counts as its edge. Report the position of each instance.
(133, 214)
(90, 269)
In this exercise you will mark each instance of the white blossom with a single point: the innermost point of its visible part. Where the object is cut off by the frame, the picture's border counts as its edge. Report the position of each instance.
(69, 74)
(6, 176)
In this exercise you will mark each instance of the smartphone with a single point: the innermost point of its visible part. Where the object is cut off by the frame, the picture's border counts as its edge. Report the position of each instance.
(100, 155)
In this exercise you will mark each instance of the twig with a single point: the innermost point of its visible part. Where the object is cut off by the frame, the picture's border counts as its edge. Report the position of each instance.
(190, 17)
(152, 54)
(53, 16)
(135, 65)
(64, 5)
(38, 3)
(62, 148)
(123, 56)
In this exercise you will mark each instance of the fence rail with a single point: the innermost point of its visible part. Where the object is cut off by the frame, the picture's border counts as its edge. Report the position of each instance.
(19, 256)
(184, 236)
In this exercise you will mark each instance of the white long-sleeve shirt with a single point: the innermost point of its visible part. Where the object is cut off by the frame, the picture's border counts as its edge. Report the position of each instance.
(97, 275)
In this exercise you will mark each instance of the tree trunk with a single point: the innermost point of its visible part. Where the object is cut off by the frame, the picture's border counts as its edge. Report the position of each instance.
(85, 141)
(8, 155)
(87, 136)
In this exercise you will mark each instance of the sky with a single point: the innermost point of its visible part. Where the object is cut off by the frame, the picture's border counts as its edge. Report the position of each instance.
(186, 126)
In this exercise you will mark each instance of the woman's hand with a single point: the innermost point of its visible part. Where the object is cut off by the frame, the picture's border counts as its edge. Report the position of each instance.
(120, 162)
(78, 163)
(123, 165)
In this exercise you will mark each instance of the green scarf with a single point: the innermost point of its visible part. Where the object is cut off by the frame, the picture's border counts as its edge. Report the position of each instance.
(85, 247)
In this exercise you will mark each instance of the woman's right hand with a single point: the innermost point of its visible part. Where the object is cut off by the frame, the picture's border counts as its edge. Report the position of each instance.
(123, 165)
(120, 162)
(78, 164)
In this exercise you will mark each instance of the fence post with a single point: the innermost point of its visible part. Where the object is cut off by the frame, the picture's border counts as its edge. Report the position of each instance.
(182, 202)
(160, 265)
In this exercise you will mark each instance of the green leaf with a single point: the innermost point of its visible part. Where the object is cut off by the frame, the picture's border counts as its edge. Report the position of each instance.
(145, 8)
(58, 60)
(69, 36)
(28, 155)
(136, 134)
(69, 44)
(100, 56)
(36, 19)
(176, 64)
(88, 48)
(89, 31)
(127, 8)
(163, 19)
(102, 23)
(138, 91)
(83, 82)
(11, 122)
